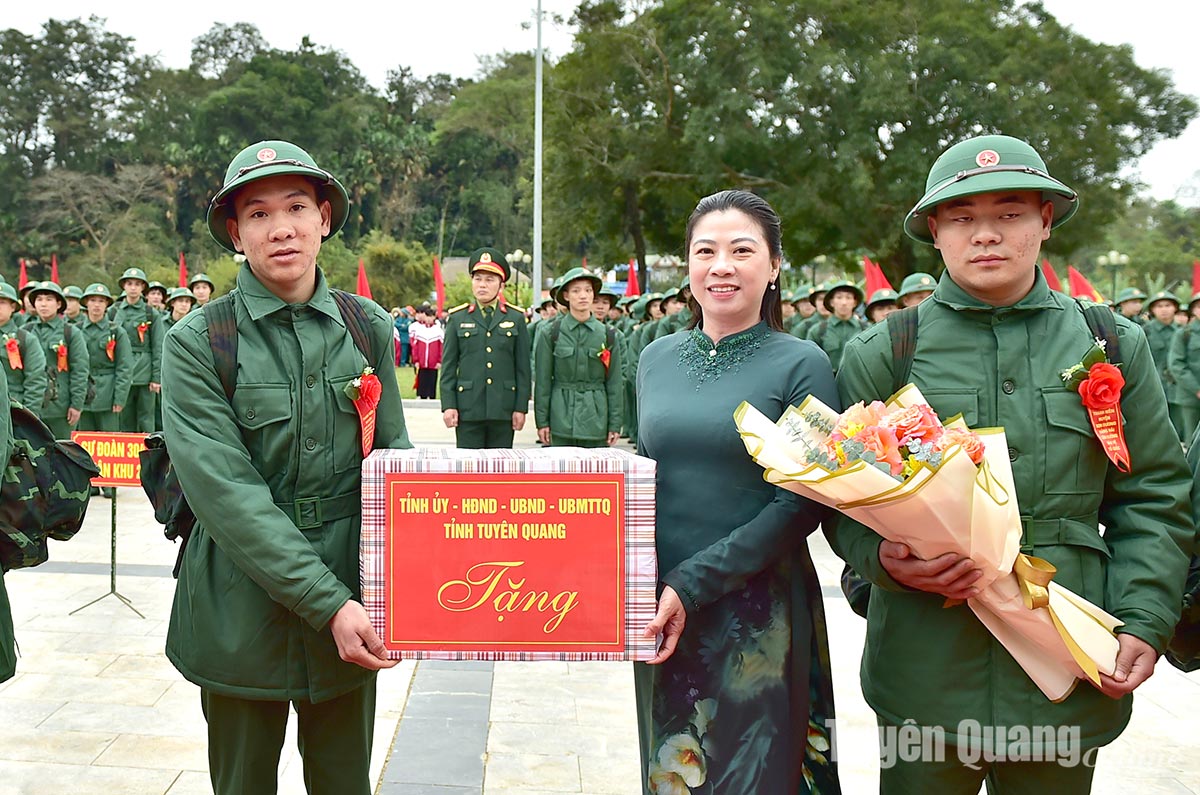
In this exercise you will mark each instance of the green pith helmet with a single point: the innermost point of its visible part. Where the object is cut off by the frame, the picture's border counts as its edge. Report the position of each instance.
(637, 310)
(881, 297)
(1163, 295)
(158, 286)
(1192, 301)
(917, 282)
(96, 288)
(574, 275)
(686, 284)
(201, 278)
(10, 292)
(73, 291)
(133, 273)
(787, 296)
(842, 285)
(489, 260)
(987, 164)
(36, 288)
(179, 292)
(626, 300)
(1129, 294)
(671, 295)
(816, 290)
(614, 298)
(274, 159)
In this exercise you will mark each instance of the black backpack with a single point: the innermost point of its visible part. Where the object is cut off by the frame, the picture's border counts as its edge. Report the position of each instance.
(902, 329)
(44, 493)
(158, 477)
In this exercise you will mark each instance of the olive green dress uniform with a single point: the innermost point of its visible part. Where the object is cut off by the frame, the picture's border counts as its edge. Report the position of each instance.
(1184, 366)
(1160, 337)
(1000, 366)
(8, 643)
(575, 395)
(65, 389)
(138, 414)
(486, 372)
(250, 620)
(112, 378)
(26, 385)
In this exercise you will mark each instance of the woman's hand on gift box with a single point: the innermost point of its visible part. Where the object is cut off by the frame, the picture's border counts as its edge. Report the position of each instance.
(1135, 664)
(668, 621)
(356, 639)
(948, 575)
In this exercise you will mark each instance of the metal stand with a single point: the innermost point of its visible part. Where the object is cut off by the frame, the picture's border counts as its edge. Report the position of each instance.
(112, 574)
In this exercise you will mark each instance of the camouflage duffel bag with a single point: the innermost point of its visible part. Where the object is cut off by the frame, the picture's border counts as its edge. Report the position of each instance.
(45, 491)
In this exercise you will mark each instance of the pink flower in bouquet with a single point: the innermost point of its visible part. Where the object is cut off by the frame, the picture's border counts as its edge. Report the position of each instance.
(969, 441)
(915, 422)
(883, 443)
(857, 417)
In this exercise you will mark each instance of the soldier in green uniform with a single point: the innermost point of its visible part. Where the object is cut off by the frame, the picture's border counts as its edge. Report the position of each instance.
(156, 296)
(1183, 364)
(74, 296)
(110, 362)
(579, 396)
(66, 360)
(202, 288)
(804, 310)
(991, 344)
(23, 357)
(1129, 303)
(832, 333)
(915, 288)
(1161, 332)
(179, 302)
(145, 330)
(882, 303)
(485, 376)
(816, 299)
(267, 606)
(8, 642)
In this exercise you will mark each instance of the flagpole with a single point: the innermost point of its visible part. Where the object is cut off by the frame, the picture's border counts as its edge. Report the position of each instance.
(537, 166)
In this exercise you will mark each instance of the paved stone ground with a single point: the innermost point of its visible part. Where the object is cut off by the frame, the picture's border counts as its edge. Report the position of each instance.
(96, 709)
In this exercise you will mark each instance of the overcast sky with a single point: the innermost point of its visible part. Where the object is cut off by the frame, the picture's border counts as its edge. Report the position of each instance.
(450, 35)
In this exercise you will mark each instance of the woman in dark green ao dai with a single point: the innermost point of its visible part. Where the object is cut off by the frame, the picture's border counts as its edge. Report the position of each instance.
(739, 699)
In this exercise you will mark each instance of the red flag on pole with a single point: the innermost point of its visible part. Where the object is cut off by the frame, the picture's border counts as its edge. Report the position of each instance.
(1081, 287)
(631, 287)
(1195, 276)
(585, 263)
(438, 286)
(876, 280)
(54, 268)
(1051, 276)
(183, 274)
(24, 277)
(364, 287)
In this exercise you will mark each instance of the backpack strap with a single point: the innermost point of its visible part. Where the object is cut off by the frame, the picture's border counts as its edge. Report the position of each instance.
(1103, 326)
(822, 327)
(68, 329)
(555, 330)
(223, 340)
(902, 328)
(357, 322)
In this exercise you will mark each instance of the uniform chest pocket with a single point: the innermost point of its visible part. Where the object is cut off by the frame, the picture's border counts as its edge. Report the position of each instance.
(1074, 459)
(949, 403)
(264, 411)
(347, 430)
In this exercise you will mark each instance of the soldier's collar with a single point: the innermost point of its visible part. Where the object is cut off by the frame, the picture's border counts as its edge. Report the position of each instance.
(261, 302)
(1039, 297)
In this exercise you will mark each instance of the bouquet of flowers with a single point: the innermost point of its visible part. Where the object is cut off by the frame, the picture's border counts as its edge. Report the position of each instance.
(939, 487)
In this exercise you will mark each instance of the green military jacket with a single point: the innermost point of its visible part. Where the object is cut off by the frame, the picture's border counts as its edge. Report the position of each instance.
(1183, 363)
(146, 346)
(802, 328)
(1000, 366)
(486, 363)
(8, 645)
(65, 389)
(112, 377)
(274, 553)
(27, 385)
(576, 396)
(1159, 336)
(832, 334)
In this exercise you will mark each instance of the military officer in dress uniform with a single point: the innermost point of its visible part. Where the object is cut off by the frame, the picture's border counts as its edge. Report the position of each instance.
(842, 325)
(110, 362)
(915, 288)
(579, 396)
(485, 376)
(267, 608)
(144, 327)
(23, 357)
(991, 344)
(202, 288)
(1161, 332)
(66, 360)
(1129, 303)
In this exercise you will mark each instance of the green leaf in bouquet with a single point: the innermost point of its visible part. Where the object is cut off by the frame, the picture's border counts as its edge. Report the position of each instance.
(817, 421)
(854, 450)
(819, 458)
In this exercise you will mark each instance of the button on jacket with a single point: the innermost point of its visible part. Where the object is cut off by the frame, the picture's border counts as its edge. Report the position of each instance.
(274, 479)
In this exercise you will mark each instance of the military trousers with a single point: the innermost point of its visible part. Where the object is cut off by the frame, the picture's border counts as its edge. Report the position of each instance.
(245, 739)
(486, 435)
(99, 421)
(138, 414)
(58, 426)
(557, 440)
(952, 776)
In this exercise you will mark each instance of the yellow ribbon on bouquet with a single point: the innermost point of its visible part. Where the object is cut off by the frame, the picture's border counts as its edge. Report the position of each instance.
(1034, 576)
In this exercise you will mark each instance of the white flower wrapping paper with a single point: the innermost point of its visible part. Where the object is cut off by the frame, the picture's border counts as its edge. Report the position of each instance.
(958, 507)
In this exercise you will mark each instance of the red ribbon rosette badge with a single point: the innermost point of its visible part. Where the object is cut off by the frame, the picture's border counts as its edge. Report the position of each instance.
(61, 351)
(142, 327)
(1099, 385)
(364, 392)
(14, 353)
(110, 348)
(605, 356)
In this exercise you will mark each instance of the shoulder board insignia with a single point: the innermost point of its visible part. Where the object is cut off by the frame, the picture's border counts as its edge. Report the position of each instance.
(457, 308)
(520, 309)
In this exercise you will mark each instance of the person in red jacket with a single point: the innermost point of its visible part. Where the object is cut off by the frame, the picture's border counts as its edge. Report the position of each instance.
(426, 336)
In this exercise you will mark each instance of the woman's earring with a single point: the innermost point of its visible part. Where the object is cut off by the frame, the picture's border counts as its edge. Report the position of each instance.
(773, 287)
